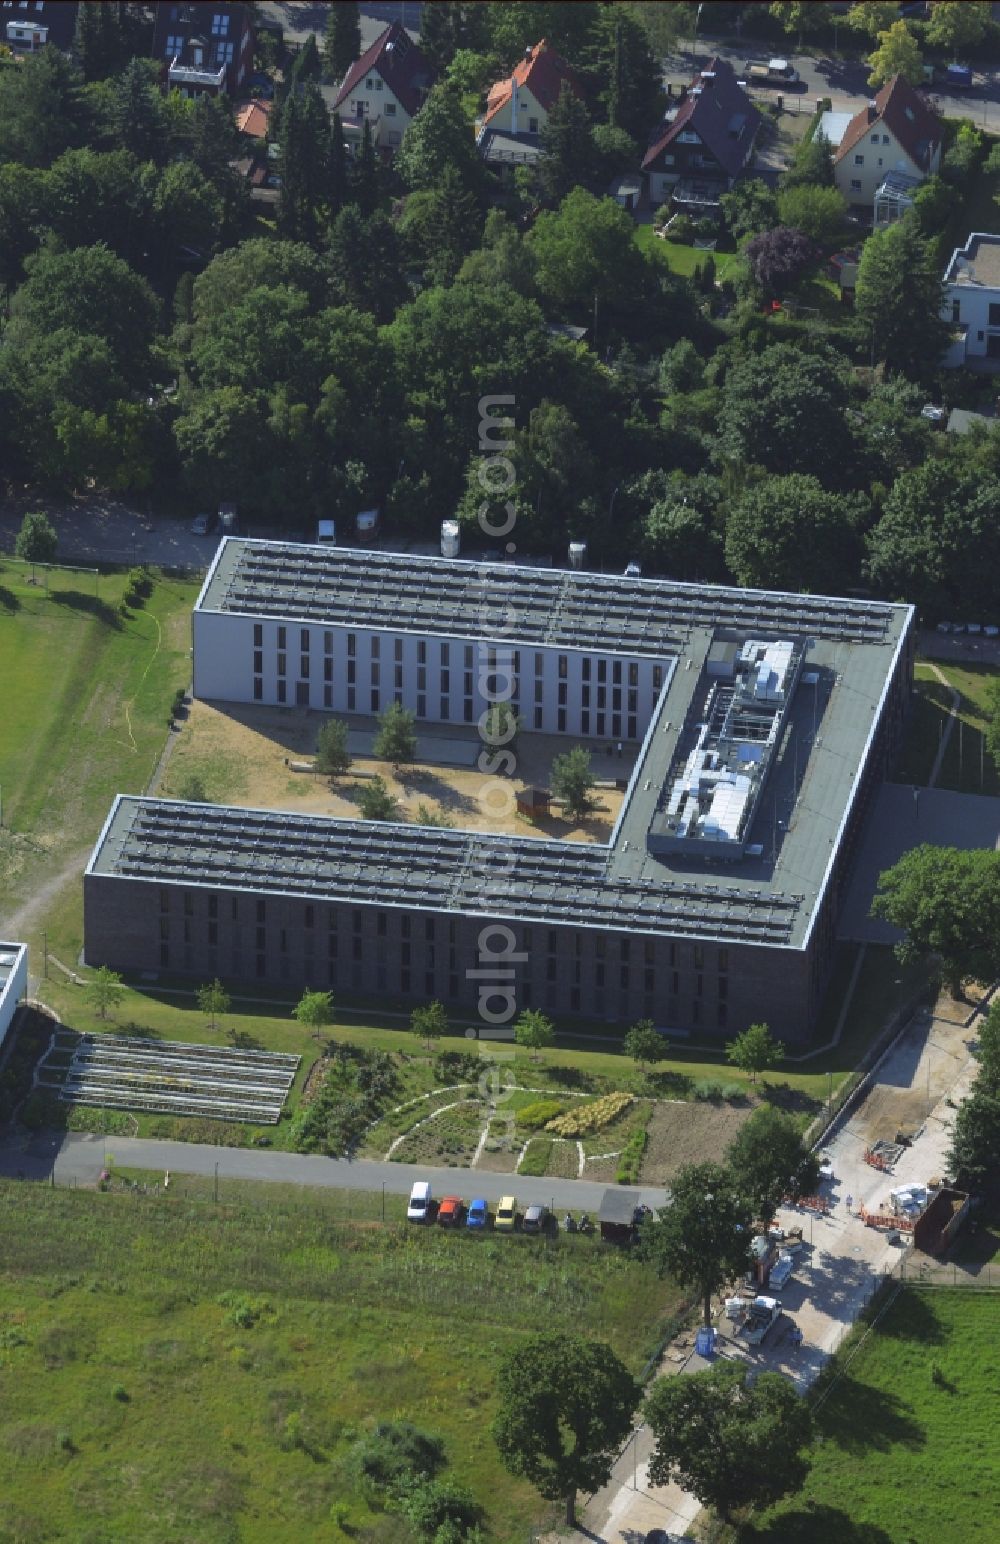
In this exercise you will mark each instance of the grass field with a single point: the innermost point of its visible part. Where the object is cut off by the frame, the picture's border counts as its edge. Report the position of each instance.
(136, 1401)
(907, 1450)
(86, 697)
(680, 258)
(966, 767)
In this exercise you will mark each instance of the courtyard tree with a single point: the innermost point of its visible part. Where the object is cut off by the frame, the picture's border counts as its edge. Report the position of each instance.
(499, 724)
(897, 53)
(818, 212)
(376, 802)
(396, 740)
(565, 1407)
(778, 259)
(974, 1155)
(314, 1010)
(771, 1161)
(429, 1022)
(534, 1031)
(213, 1000)
(731, 1442)
(755, 1050)
(947, 904)
(644, 1044)
(104, 991)
(572, 781)
(702, 1239)
(332, 756)
(812, 166)
(36, 541)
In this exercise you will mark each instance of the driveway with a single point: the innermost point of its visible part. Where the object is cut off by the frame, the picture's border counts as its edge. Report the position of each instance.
(840, 1265)
(92, 531)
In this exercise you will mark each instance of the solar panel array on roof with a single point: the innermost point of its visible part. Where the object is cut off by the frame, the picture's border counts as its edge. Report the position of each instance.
(557, 607)
(358, 861)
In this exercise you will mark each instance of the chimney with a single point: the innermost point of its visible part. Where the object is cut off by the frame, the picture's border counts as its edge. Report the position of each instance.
(527, 55)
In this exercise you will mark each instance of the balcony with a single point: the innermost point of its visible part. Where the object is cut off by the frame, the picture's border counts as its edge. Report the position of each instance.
(196, 77)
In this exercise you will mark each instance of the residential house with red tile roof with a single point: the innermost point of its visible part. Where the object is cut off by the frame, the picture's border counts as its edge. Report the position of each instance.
(521, 103)
(895, 132)
(704, 143)
(386, 86)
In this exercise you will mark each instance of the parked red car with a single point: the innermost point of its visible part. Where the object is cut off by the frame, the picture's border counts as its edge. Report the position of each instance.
(450, 1212)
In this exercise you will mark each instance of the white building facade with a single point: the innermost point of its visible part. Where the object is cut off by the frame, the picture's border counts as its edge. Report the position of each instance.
(972, 300)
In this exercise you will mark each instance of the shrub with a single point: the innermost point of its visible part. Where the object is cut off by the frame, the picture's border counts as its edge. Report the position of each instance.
(708, 1092)
(534, 1116)
(682, 229)
(590, 1117)
(630, 1160)
(244, 1312)
(397, 1452)
(458, 1067)
(120, 1392)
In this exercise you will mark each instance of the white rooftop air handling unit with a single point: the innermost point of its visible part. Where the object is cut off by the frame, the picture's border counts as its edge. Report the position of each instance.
(366, 525)
(450, 538)
(577, 554)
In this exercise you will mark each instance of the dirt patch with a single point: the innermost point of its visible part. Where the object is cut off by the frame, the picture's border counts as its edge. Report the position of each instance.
(919, 1071)
(681, 1133)
(242, 755)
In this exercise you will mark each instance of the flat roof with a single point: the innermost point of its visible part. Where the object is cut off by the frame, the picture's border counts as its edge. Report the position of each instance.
(978, 262)
(561, 608)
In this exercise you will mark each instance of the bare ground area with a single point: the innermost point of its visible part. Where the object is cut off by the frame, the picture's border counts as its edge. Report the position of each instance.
(682, 1133)
(241, 754)
(920, 1069)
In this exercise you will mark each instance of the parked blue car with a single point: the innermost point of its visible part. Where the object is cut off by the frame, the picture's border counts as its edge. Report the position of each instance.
(478, 1215)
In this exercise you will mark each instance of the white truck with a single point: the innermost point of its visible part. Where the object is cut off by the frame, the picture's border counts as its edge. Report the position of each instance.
(762, 1315)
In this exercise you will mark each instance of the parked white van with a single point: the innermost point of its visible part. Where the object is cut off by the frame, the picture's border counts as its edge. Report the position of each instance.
(419, 1207)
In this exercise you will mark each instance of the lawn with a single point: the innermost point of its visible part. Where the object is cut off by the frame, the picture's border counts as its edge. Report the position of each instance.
(966, 766)
(171, 1368)
(85, 714)
(907, 1448)
(680, 258)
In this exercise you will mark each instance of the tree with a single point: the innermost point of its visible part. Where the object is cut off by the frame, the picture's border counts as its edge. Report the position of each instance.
(787, 533)
(138, 112)
(434, 818)
(818, 212)
(336, 171)
(572, 781)
(439, 136)
(342, 39)
(222, 446)
(898, 299)
(798, 16)
(702, 1239)
(812, 165)
(305, 160)
(105, 991)
(622, 66)
(440, 227)
(947, 904)
(733, 1443)
(586, 253)
(666, 24)
(332, 755)
(565, 1408)
(214, 1000)
(898, 53)
(534, 1031)
(958, 28)
(376, 802)
(314, 1010)
(771, 1161)
(974, 1154)
(644, 1044)
(755, 1050)
(36, 541)
(749, 208)
(872, 16)
(89, 292)
(988, 1047)
(396, 740)
(499, 724)
(778, 260)
(41, 111)
(937, 541)
(192, 790)
(430, 1023)
(786, 410)
(568, 146)
(681, 368)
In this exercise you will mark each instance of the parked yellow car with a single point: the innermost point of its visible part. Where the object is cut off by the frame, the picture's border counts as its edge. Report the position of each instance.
(506, 1217)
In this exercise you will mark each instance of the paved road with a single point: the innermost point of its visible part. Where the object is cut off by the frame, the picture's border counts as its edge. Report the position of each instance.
(845, 82)
(80, 1159)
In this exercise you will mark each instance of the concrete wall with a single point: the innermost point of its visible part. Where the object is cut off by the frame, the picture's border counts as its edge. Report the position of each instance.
(403, 957)
(441, 680)
(13, 982)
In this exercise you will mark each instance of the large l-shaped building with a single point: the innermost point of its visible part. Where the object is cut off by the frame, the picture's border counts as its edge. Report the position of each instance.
(761, 723)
